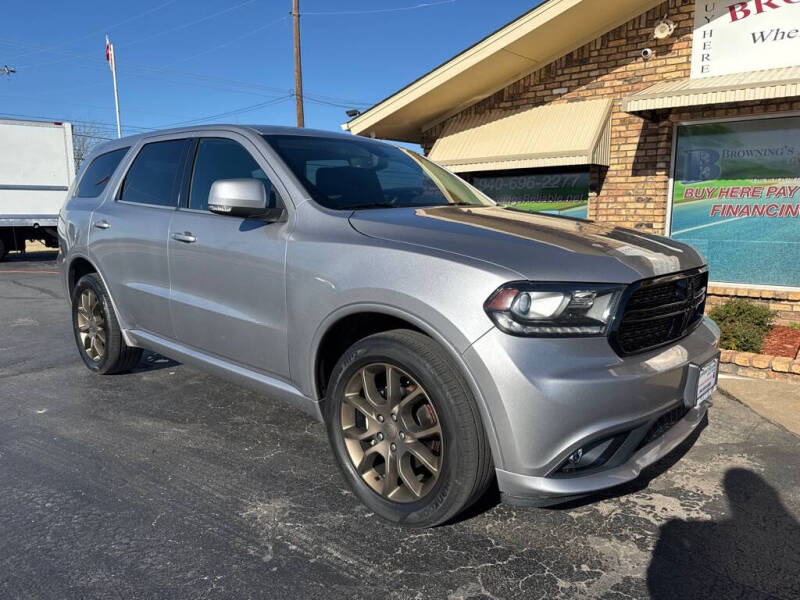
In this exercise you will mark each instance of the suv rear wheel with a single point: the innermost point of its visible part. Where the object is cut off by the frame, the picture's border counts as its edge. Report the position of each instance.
(405, 429)
(97, 331)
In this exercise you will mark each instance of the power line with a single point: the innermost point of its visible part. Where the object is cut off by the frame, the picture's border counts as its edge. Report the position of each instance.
(190, 23)
(327, 103)
(107, 28)
(213, 82)
(154, 35)
(380, 10)
(199, 79)
(105, 126)
(234, 84)
(236, 111)
(164, 78)
(228, 43)
(91, 106)
(94, 137)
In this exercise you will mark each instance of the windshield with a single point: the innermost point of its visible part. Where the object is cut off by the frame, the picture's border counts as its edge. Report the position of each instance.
(344, 174)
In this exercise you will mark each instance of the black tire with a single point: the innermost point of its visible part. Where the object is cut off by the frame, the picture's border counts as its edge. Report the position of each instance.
(117, 356)
(3, 249)
(466, 464)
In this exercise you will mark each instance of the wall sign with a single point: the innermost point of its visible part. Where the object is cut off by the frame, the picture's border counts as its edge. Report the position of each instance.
(565, 193)
(736, 198)
(734, 37)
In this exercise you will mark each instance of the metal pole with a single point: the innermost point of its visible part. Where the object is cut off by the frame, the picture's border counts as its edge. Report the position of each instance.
(113, 60)
(298, 70)
(116, 103)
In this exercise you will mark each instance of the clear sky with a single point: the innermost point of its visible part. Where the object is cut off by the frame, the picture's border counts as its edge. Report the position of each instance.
(187, 61)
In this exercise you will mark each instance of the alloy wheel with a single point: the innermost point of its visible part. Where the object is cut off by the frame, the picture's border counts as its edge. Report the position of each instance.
(392, 432)
(91, 323)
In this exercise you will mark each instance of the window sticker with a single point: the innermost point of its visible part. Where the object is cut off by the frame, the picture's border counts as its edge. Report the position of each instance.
(736, 198)
(565, 193)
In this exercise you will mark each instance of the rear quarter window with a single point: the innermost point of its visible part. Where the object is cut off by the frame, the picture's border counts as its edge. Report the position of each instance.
(98, 173)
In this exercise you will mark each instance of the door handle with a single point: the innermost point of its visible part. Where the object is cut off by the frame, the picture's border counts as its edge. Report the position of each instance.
(102, 224)
(186, 237)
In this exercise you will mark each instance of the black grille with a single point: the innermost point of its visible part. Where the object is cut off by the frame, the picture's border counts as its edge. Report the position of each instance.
(663, 424)
(660, 310)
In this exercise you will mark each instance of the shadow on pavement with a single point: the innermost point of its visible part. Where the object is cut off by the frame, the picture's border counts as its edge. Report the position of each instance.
(753, 554)
(153, 362)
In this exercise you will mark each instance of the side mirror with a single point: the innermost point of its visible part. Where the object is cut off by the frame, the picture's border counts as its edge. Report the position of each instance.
(245, 198)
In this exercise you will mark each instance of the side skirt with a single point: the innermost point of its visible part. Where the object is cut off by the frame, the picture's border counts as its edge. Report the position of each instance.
(254, 380)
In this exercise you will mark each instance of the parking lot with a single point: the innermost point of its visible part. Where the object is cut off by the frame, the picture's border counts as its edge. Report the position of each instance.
(170, 483)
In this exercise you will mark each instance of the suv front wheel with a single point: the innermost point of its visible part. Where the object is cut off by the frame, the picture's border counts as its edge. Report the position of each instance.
(97, 331)
(405, 429)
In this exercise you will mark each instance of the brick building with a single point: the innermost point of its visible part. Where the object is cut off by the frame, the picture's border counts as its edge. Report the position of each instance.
(670, 117)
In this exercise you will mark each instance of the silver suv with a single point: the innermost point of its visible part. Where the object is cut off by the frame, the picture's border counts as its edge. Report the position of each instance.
(445, 341)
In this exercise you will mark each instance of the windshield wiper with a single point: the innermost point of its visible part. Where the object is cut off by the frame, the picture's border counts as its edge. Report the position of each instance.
(369, 205)
(393, 205)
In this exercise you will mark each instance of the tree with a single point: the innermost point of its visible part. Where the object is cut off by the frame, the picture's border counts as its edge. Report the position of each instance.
(84, 138)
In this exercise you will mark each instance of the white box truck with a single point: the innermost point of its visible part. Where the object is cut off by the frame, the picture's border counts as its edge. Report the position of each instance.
(36, 168)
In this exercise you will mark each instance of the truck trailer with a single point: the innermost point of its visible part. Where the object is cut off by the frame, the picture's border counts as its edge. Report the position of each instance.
(37, 165)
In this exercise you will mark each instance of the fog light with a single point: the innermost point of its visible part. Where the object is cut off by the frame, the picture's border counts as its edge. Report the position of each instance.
(593, 455)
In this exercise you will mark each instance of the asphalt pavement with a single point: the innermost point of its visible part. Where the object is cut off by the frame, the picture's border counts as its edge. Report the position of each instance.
(170, 483)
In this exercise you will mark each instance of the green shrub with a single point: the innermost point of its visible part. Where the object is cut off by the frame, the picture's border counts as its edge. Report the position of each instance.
(743, 325)
(745, 337)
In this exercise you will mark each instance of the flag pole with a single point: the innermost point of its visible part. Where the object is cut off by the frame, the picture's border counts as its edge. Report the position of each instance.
(113, 64)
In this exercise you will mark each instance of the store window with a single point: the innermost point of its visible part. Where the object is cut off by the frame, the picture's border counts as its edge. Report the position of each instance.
(562, 192)
(736, 198)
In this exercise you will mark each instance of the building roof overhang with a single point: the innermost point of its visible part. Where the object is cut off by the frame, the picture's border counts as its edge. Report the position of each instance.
(549, 31)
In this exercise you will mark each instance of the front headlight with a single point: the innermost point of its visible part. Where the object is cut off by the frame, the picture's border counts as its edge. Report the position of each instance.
(554, 309)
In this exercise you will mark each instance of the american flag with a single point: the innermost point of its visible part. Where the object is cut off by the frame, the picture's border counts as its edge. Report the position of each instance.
(110, 54)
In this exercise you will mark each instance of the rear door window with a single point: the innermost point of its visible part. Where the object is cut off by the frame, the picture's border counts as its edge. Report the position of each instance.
(98, 173)
(154, 175)
(220, 158)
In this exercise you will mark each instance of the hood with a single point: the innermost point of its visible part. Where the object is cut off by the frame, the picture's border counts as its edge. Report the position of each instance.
(537, 246)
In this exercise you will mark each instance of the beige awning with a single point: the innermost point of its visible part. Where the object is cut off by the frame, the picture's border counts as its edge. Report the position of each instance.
(554, 135)
(737, 87)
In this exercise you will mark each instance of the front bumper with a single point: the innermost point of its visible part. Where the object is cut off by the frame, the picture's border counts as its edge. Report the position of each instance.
(547, 398)
(545, 491)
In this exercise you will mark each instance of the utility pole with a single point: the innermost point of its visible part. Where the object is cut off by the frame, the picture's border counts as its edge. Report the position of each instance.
(298, 69)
